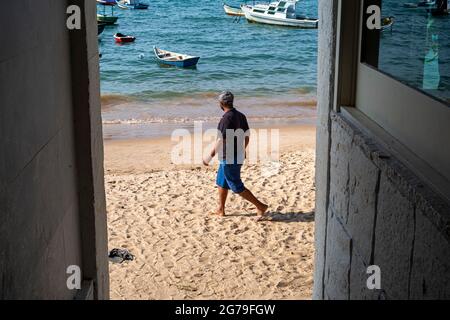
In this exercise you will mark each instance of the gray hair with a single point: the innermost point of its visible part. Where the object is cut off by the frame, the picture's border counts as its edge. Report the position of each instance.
(226, 98)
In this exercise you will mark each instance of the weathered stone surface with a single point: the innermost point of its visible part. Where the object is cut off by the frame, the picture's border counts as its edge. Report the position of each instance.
(326, 65)
(337, 263)
(363, 185)
(394, 236)
(376, 202)
(358, 280)
(341, 146)
(430, 278)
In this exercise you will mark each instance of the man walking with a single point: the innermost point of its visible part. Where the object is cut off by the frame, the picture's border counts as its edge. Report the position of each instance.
(231, 143)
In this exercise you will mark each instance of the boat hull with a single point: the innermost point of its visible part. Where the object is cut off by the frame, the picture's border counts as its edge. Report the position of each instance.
(233, 11)
(139, 6)
(190, 61)
(421, 5)
(264, 19)
(107, 2)
(181, 64)
(125, 39)
(109, 20)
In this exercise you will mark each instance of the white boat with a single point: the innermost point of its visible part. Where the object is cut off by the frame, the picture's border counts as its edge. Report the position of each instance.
(281, 13)
(233, 11)
(175, 59)
(424, 4)
(132, 4)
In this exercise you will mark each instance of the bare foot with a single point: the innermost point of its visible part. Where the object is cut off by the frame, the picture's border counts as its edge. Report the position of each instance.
(219, 213)
(261, 213)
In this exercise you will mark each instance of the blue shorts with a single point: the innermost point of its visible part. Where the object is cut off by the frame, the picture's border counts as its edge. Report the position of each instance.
(229, 177)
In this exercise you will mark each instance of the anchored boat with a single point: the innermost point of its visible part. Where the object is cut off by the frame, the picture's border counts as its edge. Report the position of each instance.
(123, 38)
(387, 23)
(435, 7)
(107, 2)
(175, 59)
(425, 4)
(132, 4)
(233, 11)
(281, 13)
(103, 17)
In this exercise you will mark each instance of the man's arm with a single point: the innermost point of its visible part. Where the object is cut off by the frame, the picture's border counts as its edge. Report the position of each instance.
(221, 134)
(217, 146)
(247, 132)
(214, 151)
(247, 141)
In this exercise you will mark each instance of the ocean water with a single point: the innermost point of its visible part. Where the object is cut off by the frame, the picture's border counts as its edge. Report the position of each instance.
(271, 70)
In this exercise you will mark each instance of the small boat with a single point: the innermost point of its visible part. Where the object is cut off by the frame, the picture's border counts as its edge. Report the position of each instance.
(107, 2)
(387, 23)
(100, 28)
(107, 20)
(424, 4)
(132, 4)
(429, 4)
(233, 11)
(280, 13)
(103, 17)
(122, 38)
(175, 59)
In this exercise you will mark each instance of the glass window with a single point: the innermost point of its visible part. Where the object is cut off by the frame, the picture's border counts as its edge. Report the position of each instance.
(413, 45)
(291, 9)
(282, 3)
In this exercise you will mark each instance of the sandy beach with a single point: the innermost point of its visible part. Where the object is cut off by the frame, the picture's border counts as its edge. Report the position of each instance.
(159, 212)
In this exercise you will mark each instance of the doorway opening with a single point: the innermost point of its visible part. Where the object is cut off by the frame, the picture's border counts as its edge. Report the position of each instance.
(158, 208)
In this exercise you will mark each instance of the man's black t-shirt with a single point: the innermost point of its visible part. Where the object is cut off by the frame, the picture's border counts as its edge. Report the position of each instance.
(234, 120)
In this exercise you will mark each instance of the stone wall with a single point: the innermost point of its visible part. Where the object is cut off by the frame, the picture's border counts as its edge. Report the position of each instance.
(380, 214)
(43, 193)
(371, 209)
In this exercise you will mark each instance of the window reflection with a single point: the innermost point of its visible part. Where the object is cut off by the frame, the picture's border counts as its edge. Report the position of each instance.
(414, 45)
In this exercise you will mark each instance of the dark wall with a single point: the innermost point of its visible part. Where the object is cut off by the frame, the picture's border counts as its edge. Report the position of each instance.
(40, 221)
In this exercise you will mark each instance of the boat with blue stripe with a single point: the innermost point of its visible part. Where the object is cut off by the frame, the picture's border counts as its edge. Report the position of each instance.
(175, 59)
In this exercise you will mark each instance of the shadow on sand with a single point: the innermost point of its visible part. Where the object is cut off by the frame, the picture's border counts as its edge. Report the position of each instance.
(282, 217)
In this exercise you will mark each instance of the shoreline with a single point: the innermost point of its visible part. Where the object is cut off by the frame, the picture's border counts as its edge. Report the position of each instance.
(124, 118)
(137, 155)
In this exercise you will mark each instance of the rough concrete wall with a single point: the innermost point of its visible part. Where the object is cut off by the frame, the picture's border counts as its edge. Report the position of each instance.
(40, 224)
(379, 213)
(325, 89)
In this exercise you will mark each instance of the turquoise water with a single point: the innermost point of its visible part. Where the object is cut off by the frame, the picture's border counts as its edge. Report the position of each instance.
(271, 70)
